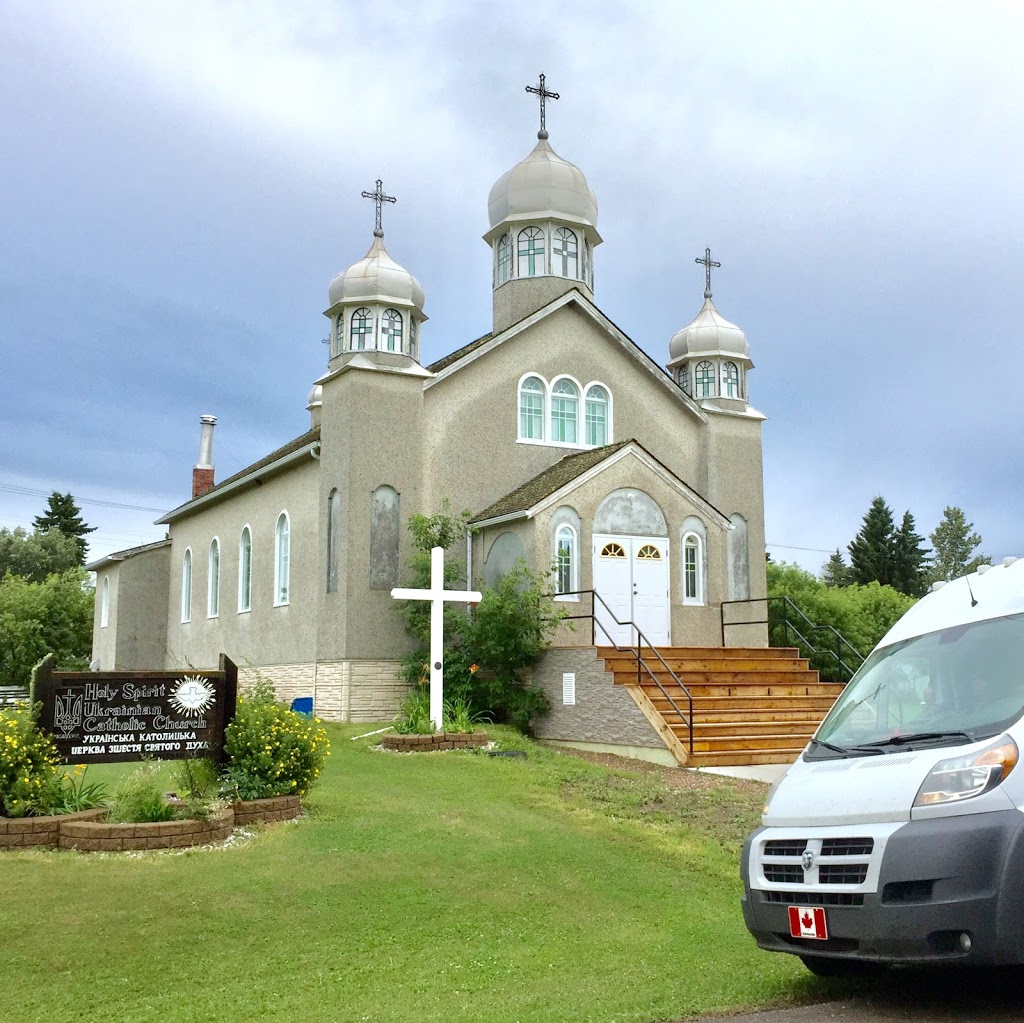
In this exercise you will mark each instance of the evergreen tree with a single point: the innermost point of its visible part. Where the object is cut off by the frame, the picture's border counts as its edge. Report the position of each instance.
(910, 560)
(835, 571)
(954, 543)
(62, 513)
(872, 550)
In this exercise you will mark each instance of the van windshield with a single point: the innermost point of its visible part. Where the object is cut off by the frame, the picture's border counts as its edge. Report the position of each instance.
(957, 685)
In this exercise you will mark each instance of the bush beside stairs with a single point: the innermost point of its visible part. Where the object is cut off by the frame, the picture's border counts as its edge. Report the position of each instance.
(751, 705)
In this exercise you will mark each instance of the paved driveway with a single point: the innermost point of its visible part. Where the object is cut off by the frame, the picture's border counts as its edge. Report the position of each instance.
(920, 996)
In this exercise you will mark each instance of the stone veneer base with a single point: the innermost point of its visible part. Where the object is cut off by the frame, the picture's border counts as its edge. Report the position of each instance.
(429, 743)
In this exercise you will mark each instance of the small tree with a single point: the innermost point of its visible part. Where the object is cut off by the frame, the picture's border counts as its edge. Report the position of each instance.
(954, 543)
(37, 555)
(62, 513)
(871, 550)
(910, 560)
(835, 571)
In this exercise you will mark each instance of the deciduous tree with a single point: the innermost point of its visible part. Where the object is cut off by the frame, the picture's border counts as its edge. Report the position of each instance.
(954, 543)
(36, 555)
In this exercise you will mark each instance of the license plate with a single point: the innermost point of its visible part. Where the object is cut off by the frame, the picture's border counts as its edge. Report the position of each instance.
(807, 922)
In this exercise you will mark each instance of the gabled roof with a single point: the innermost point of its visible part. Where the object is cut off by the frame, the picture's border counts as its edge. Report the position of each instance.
(463, 357)
(557, 481)
(270, 463)
(452, 357)
(109, 559)
(556, 476)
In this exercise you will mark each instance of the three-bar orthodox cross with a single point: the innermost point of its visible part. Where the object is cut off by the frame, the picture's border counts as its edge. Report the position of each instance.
(707, 262)
(379, 198)
(543, 93)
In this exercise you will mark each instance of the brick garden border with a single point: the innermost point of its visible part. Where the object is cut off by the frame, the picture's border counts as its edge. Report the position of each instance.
(267, 811)
(99, 836)
(434, 741)
(40, 832)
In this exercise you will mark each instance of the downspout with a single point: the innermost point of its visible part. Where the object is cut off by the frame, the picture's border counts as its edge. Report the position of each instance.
(469, 561)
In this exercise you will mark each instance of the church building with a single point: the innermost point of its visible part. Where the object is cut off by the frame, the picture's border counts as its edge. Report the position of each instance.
(572, 447)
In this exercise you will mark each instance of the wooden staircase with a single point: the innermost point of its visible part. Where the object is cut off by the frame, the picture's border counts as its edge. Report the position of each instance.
(751, 705)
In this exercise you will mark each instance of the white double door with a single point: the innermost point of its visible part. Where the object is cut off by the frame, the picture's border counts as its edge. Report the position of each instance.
(631, 575)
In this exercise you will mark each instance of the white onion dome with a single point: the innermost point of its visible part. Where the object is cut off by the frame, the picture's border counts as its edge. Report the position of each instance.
(709, 333)
(543, 186)
(377, 278)
(316, 397)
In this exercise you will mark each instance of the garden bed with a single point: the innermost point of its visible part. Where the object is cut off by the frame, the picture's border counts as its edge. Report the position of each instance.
(430, 742)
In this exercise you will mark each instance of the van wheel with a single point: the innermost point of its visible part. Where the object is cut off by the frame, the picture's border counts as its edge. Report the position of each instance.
(823, 966)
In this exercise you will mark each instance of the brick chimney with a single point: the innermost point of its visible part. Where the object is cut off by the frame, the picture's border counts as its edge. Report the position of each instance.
(202, 474)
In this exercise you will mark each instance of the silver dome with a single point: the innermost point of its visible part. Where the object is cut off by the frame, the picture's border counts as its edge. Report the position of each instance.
(542, 185)
(709, 333)
(377, 278)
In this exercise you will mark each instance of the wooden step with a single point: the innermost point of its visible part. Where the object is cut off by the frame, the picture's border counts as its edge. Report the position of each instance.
(717, 652)
(737, 759)
(740, 743)
(681, 665)
(718, 729)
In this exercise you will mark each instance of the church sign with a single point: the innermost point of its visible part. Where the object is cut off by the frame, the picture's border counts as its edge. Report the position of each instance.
(102, 717)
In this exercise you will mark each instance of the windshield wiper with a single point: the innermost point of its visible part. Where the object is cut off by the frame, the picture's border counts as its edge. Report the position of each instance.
(845, 750)
(902, 740)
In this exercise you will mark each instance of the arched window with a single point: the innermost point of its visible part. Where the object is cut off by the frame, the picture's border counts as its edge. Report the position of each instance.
(565, 251)
(413, 337)
(693, 569)
(245, 570)
(684, 377)
(361, 329)
(391, 330)
(589, 261)
(186, 586)
(339, 333)
(597, 416)
(586, 262)
(503, 265)
(731, 380)
(333, 539)
(531, 409)
(282, 559)
(213, 580)
(531, 252)
(704, 380)
(564, 412)
(105, 603)
(385, 537)
(566, 560)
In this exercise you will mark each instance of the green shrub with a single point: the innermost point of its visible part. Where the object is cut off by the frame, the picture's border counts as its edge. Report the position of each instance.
(30, 775)
(415, 713)
(271, 750)
(73, 793)
(139, 799)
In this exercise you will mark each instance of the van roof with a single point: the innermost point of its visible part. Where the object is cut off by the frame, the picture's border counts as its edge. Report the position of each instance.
(994, 591)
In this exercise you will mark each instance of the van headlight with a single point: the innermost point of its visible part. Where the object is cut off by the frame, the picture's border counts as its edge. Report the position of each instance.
(958, 778)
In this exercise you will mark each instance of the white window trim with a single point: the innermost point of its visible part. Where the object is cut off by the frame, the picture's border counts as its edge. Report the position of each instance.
(371, 338)
(579, 248)
(609, 420)
(544, 411)
(277, 561)
(186, 586)
(545, 254)
(579, 413)
(105, 603)
(574, 564)
(241, 565)
(697, 601)
(401, 327)
(212, 579)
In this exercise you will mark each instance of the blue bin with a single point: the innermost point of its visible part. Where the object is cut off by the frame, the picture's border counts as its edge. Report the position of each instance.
(303, 705)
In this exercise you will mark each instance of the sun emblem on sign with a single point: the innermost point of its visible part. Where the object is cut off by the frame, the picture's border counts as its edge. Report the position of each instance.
(193, 696)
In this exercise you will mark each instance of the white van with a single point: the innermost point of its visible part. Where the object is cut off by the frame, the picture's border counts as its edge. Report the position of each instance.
(898, 835)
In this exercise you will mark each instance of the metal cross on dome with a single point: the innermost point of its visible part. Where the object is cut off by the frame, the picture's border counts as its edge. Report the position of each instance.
(379, 198)
(539, 90)
(707, 263)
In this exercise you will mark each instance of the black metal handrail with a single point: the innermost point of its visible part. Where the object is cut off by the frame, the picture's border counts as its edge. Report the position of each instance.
(789, 607)
(641, 639)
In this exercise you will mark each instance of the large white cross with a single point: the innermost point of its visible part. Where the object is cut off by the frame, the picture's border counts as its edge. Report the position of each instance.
(437, 595)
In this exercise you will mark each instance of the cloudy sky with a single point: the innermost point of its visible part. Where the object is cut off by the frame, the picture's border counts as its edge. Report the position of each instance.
(180, 181)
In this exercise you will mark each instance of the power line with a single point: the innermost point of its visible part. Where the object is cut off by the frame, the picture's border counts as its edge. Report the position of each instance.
(29, 492)
(793, 547)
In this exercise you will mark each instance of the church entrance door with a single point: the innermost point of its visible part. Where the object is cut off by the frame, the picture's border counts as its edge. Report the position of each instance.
(631, 575)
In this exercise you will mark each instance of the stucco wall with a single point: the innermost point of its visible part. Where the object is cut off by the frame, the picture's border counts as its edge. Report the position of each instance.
(265, 634)
(142, 610)
(603, 712)
(519, 297)
(104, 640)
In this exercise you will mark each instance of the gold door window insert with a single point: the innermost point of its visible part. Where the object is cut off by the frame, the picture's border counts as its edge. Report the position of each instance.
(613, 550)
(648, 553)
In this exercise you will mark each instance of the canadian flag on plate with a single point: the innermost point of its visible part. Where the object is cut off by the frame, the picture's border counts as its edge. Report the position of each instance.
(807, 922)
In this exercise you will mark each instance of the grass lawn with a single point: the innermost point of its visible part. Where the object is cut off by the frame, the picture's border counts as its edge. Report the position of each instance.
(446, 886)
